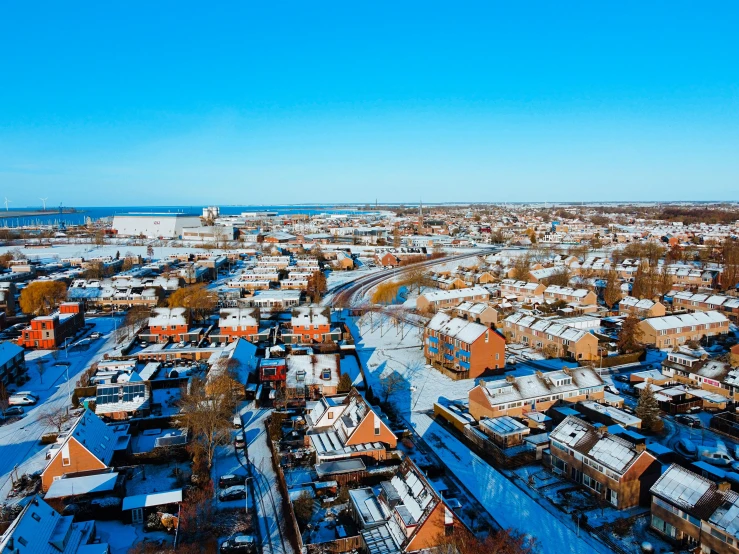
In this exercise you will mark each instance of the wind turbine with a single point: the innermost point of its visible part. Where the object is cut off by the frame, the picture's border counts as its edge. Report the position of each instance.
(6, 204)
(44, 201)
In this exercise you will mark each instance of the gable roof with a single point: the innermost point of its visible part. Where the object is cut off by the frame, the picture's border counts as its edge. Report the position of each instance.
(97, 438)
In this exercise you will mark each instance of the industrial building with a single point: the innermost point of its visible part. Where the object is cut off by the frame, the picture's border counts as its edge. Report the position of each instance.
(154, 225)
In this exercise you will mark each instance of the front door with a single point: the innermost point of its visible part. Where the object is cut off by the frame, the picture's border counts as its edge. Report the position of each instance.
(137, 515)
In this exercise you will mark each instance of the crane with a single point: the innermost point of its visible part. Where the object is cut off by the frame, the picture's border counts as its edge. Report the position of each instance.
(44, 201)
(6, 204)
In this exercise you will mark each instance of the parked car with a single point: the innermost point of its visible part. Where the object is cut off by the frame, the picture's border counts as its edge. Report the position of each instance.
(686, 449)
(716, 455)
(237, 421)
(239, 441)
(612, 389)
(689, 420)
(239, 544)
(95, 335)
(622, 378)
(14, 411)
(230, 480)
(237, 492)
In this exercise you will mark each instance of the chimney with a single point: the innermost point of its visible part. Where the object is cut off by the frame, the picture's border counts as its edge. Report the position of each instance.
(540, 375)
(510, 379)
(566, 371)
(724, 486)
(640, 447)
(602, 431)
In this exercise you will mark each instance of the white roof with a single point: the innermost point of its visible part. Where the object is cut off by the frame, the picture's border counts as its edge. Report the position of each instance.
(168, 316)
(685, 320)
(457, 328)
(308, 315)
(239, 317)
(442, 295)
(152, 499)
(71, 486)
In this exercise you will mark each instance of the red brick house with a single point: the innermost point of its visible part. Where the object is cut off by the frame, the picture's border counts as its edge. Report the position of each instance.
(89, 445)
(168, 323)
(310, 324)
(236, 323)
(50, 331)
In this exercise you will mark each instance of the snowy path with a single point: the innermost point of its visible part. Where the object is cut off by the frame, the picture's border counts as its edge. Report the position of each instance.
(19, 440)
(269, 500)
(508, 505)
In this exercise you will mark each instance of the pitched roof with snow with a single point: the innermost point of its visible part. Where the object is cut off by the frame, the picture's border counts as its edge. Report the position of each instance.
(457, 328)
(670, 322)
(442, 295)
(164, 317)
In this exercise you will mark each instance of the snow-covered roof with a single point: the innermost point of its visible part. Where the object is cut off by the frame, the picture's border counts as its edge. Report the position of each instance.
(308, 315)
(152, 499)
(548, 326)
(457, 328)
(442, 295)
(164, 317)
(8, 351)
(239, 317)
(670, 322)
(504, 426)
(317, 369)
(87, 484)
(528, 387)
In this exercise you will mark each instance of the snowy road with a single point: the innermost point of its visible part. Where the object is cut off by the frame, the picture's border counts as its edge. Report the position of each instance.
(268, 499)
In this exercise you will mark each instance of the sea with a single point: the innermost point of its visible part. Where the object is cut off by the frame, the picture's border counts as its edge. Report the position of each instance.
(83, 215)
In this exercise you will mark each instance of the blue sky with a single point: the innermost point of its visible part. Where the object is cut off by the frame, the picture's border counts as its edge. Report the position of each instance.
(144, 103)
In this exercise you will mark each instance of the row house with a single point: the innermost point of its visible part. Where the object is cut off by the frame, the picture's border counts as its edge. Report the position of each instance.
(309, 324)
(701, 373)
(12, 362)
(517, 396)
(698, 302)
(641, 308)
(479, 312)
(439, 300)
(52, 331)
(249, 284)
(341, 427)
(556, 338)
(689, 276)
(403, 514)
(693, 512)
(674, 330)
(312, 376)
(462, 347)
(169, 324)
(280, 262)
(294, 284)
(610, 467)
(583, 297)
(521, 290)
(234, 323)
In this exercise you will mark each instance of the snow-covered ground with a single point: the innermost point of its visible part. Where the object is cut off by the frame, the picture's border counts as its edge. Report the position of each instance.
(386, 348)
(508, 504)
(19, 440)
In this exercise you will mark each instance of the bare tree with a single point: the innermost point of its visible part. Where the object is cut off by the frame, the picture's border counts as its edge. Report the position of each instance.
(391, 384)
(208, 413)
(4, 399)
(56, 418)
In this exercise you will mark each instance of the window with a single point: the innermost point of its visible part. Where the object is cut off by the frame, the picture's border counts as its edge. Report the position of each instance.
(35, 516)
(66, 461)
(23, 541)
(663, 527)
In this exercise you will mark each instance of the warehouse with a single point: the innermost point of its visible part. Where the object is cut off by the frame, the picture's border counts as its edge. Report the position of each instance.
(154, 225)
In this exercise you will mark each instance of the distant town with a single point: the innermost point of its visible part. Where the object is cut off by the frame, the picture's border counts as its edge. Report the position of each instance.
(520, 378)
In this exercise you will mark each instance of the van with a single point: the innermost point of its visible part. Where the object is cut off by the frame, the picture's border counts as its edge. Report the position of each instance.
(237, 421)
(22, 399)
(239, 543)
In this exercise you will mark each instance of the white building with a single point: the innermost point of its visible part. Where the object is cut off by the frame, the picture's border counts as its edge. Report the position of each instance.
(154, 225)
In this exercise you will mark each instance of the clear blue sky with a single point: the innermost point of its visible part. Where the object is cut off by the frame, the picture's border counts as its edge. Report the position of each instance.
(142, 103)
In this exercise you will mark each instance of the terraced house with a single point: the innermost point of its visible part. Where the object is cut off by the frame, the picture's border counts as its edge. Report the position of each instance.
(674, 330)
(640, 308)
(699, 302)
(516, 396)
(583, 297)
(554, 338)
(462, 349)
(612, 468)
(694, 512)
(522, 290)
